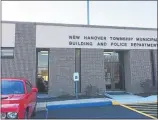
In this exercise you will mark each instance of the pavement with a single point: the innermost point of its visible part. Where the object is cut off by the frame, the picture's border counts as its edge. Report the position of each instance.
(113, 105)
(150, 108)
(104, 112)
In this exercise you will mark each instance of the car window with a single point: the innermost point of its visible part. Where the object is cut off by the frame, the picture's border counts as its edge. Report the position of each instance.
(28, 87)
(12, 87)
(29, 83)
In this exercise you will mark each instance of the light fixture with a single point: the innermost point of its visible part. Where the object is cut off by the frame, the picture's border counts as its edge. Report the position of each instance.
(44, 54)
(44, 51)
(108, 53)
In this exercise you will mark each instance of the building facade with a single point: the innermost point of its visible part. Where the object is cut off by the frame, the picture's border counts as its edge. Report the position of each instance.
(109, 58)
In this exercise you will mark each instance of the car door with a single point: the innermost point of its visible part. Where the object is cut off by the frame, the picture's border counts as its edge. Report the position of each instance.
(30, 97)
(34, 95)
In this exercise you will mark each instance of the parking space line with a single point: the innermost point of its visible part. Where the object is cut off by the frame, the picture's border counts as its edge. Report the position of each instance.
(146, 108)
(148, 112)
(147, 104)
(138, 111)
(150, 109)
(152, 114)
(144, 103)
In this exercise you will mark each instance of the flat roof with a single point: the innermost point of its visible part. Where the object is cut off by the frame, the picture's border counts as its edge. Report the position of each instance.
(82, 25)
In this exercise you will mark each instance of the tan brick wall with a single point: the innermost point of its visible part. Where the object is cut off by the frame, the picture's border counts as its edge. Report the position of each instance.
(137, 69)
(61, 69)
(23, 65)
(92, 68)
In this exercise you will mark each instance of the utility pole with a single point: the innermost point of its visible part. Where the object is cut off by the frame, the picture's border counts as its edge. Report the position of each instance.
(88, 20)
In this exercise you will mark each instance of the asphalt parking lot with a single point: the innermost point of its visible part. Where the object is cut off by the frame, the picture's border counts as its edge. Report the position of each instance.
(105, 112)
(150, 109)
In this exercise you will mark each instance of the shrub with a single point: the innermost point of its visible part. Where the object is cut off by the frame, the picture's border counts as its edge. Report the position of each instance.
(147, 86)
(91, 90)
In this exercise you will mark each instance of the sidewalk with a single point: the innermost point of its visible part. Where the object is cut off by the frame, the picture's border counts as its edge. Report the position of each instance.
(132, 99)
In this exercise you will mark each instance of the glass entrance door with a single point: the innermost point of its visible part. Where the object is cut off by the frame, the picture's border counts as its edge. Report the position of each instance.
(112, 71)
(42, 70)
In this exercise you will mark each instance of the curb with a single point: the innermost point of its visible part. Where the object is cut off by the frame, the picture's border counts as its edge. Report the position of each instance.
(115, 103)
(41, 106)
(78, 105)
(46, 106)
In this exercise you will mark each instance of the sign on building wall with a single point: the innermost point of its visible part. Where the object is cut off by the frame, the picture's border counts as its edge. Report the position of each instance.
(76, 76)
(104, 38)
(8, 35)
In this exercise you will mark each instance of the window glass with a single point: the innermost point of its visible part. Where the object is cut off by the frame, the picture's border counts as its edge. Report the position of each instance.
(29, 83)
(42, 70)
(43, 59)
(111, 57)
(78, 51)
(7, 52)
(28, 87)
(12, 87)
(43, 64)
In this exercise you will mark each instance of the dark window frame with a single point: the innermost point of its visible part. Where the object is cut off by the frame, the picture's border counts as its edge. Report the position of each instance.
(7, 56)
(38, 50)
(152, 67)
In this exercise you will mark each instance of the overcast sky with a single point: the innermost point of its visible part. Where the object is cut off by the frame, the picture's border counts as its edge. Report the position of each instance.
(109, 13)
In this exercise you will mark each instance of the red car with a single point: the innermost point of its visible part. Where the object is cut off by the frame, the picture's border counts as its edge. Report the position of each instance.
(18, 98)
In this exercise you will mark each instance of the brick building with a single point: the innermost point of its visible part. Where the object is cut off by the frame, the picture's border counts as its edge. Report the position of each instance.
(109, 58)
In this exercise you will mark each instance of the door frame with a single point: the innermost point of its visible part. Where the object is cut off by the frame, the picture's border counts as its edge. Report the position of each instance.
(121, 70)
(38, 50)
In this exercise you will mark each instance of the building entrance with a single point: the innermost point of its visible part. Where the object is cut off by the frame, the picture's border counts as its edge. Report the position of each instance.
(113, 69)
(42, 70)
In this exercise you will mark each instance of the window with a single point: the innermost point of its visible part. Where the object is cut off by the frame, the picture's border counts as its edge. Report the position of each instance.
(42, 69)
(12, 87)
(28, 86)
(7, 52)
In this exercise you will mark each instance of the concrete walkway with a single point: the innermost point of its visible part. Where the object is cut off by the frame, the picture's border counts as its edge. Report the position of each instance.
(133, 99)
